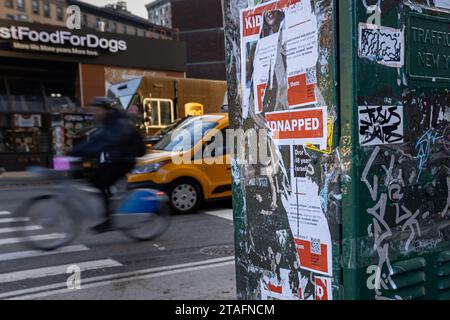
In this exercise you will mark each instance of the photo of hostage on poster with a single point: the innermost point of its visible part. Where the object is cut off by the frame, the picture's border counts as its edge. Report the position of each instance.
(272, 22)
(293, 25)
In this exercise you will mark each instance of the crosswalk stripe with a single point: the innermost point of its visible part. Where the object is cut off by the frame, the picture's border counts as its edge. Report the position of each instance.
(18, 229)
(41, 237)
(125, 280)
(5, 213)
(120, 278)
(224, 214)
(37, 253)
(10, 220)
(56, 270)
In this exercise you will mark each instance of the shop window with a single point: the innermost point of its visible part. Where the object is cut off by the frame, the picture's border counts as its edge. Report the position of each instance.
(158, 113)
(21, 5)
(9, 4)
(6, 139)
(125, 29)
(35, 6)
(4, 100)
(10, 17)
(24, 133)
(84, 20)
(60, 14)
(58, 96)
(30, 133)
(26, 95)
(114, 27)
(47, 12)
(65, 129)
(57, 102)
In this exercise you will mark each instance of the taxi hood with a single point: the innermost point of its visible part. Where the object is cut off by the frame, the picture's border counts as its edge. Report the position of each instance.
(154, 156)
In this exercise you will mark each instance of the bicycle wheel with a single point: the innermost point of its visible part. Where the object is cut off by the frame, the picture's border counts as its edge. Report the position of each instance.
(154, 225)
(53, 219)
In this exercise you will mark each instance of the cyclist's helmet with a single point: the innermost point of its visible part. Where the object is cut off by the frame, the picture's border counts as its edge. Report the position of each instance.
(106, 103)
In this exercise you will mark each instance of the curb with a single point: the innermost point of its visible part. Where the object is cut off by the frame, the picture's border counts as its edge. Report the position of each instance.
(4, 183)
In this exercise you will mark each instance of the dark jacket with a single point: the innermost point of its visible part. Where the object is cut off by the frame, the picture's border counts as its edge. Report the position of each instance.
(116, 137)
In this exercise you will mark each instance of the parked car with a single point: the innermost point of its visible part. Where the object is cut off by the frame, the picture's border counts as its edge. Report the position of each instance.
(188, 184)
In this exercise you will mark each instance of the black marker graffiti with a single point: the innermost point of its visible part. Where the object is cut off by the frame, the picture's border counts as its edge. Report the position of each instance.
(380, 125)
(381, 45)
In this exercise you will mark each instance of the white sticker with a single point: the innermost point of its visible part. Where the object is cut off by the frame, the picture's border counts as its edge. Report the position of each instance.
(381, 44)
(380, 125)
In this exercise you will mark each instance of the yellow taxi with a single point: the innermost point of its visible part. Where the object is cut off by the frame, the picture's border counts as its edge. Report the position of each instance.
(190, 163)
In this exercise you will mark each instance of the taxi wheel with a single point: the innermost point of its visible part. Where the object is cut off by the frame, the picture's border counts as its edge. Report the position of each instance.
(185, 196)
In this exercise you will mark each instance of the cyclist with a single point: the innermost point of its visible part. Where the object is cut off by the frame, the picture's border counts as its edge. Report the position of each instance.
(115, 145)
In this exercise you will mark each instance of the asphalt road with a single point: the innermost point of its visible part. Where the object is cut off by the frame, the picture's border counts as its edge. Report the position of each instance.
(192, 260)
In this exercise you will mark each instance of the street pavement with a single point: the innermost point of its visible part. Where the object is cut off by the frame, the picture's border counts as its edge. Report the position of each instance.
(194, 259)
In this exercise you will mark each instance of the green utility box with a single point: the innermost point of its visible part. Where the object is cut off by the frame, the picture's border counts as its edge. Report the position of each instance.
(347, 103)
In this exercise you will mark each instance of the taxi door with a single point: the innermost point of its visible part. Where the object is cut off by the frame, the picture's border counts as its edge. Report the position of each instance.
(217, 166)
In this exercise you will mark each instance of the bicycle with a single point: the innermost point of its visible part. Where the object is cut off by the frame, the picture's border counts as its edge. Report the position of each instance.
(141, 215)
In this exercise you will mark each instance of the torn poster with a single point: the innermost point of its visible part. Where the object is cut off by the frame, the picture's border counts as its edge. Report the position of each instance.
(307, 220)
(379, 125)
(323, 288)
(273, 288)
(300, 127)
(381, 44)
(293, 24)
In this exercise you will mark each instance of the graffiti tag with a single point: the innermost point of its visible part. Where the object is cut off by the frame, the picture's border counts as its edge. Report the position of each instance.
(380, 125)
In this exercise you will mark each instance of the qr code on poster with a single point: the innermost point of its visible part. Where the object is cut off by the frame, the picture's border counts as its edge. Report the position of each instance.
(315, 246)
(311, 76)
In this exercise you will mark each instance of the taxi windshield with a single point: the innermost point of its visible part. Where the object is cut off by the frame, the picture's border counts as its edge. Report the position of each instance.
(186, 136)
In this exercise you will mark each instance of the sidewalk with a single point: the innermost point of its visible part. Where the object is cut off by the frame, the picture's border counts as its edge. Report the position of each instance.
(16, 179)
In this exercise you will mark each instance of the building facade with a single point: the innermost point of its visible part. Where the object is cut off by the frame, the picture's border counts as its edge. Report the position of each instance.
(160, 13)
(113, 18)
(48, 72)
(201, 26)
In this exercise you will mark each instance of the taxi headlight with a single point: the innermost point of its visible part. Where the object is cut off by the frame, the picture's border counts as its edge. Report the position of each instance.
(149, 168)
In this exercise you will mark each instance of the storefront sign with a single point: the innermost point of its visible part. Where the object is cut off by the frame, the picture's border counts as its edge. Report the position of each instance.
(45, 41)
(26, 40)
